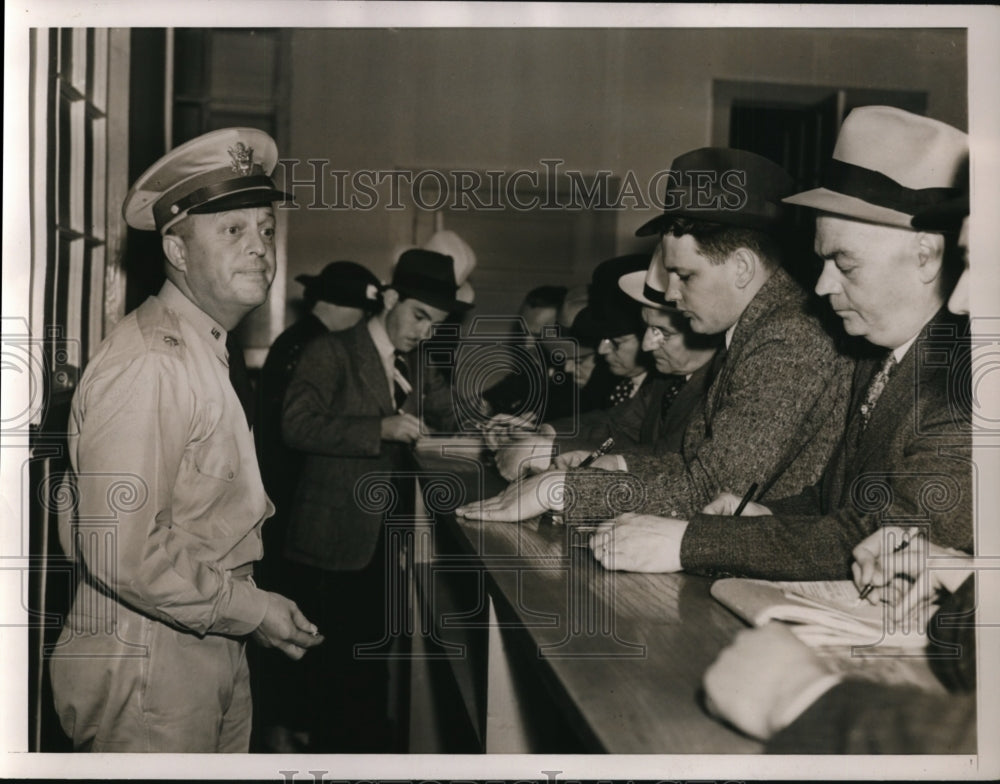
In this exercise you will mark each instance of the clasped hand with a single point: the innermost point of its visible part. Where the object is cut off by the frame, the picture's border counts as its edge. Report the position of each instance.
(285, 627)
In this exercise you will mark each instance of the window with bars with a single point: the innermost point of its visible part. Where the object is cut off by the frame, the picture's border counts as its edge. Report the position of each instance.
(78, 124)
(79, 82)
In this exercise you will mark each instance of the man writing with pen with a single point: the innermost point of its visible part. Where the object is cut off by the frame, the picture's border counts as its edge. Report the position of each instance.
(904, 456)
(357, 402)
(770, 685)
(776, 391)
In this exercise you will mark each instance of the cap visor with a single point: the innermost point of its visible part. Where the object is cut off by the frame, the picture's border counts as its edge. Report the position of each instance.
(255, 197)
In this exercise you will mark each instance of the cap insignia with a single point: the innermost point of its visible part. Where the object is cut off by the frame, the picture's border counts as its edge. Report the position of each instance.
(242, 157)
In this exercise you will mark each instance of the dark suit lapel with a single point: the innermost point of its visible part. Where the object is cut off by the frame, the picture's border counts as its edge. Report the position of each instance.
(370, 369)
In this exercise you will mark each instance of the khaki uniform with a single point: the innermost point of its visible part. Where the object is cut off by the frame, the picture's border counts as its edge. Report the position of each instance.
(170, 505)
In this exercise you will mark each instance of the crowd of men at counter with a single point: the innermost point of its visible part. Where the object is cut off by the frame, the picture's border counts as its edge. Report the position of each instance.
(708, 362)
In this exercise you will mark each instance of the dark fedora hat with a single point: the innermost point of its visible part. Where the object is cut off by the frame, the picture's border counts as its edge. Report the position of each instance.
(343, 283)
(723, 185)
(888, 165)
(429, 277)
(610, 312)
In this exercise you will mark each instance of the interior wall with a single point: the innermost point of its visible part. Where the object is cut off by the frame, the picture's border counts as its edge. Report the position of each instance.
(618, 99)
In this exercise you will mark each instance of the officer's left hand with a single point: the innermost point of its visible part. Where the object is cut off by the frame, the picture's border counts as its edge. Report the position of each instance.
(285, 627)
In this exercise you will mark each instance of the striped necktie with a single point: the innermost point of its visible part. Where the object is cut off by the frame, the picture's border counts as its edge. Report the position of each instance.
(400, 380)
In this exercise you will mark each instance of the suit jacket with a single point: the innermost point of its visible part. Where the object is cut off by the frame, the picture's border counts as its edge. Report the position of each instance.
(911, 465)
(640, 423)
(774, 413)
(280, 466)
(333, 411)
(856, 717)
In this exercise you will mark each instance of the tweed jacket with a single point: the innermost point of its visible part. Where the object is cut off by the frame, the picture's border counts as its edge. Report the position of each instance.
(910, 466)
(640, 423)
(333, 412)
(774, 413)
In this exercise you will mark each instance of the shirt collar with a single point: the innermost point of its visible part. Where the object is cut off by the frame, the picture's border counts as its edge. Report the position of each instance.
(206, 327)
(900, 351)
(380, 338)
(729, 334)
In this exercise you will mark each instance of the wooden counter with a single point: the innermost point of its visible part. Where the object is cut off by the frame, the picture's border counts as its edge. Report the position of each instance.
(619, 656)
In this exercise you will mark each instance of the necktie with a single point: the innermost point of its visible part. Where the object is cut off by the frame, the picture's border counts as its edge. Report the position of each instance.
(670, 394)
(718, 360)
(879, 380)
(239, 377)
(400, 380)
(621, 392)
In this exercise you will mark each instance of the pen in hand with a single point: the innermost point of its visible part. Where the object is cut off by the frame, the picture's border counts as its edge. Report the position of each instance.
(869, 587)
(601, 451)
(747, 497)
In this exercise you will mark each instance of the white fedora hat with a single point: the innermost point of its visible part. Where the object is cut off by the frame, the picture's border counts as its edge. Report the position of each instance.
(888, 165)
(649, 286)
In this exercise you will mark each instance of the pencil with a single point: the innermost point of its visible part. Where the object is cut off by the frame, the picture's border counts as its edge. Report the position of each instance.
(602, 450)
(747, 496)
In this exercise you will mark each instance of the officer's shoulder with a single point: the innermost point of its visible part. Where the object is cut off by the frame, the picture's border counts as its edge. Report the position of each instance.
(159, 329)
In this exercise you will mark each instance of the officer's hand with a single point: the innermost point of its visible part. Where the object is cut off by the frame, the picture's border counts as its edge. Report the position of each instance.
(401, 427)
(284, 627)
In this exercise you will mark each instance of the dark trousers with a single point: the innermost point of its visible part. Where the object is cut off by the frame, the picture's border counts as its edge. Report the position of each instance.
(343, 694)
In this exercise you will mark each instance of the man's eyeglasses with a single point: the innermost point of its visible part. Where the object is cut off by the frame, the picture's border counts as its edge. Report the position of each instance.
(656, 334)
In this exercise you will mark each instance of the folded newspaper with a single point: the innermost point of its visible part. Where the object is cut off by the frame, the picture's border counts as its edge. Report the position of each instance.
(823, 613)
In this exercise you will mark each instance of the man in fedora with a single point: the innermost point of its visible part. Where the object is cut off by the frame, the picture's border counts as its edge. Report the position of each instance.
(777, 399)
(770, 685)
(655, 413)
(170, 497)
(904, 454)
(336, 298)
(355, 407)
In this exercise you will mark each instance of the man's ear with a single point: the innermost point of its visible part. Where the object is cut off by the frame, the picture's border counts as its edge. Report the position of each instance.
(745, 263)
(176, 251)
(930, 255)
(390, 298)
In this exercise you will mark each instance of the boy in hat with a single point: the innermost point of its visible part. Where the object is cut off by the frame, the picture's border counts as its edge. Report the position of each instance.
(352, 407)
(889, 282)
(170, 497)
(777, 398)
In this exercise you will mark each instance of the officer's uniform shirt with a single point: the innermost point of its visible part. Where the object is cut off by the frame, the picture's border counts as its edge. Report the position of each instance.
(155, 411)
